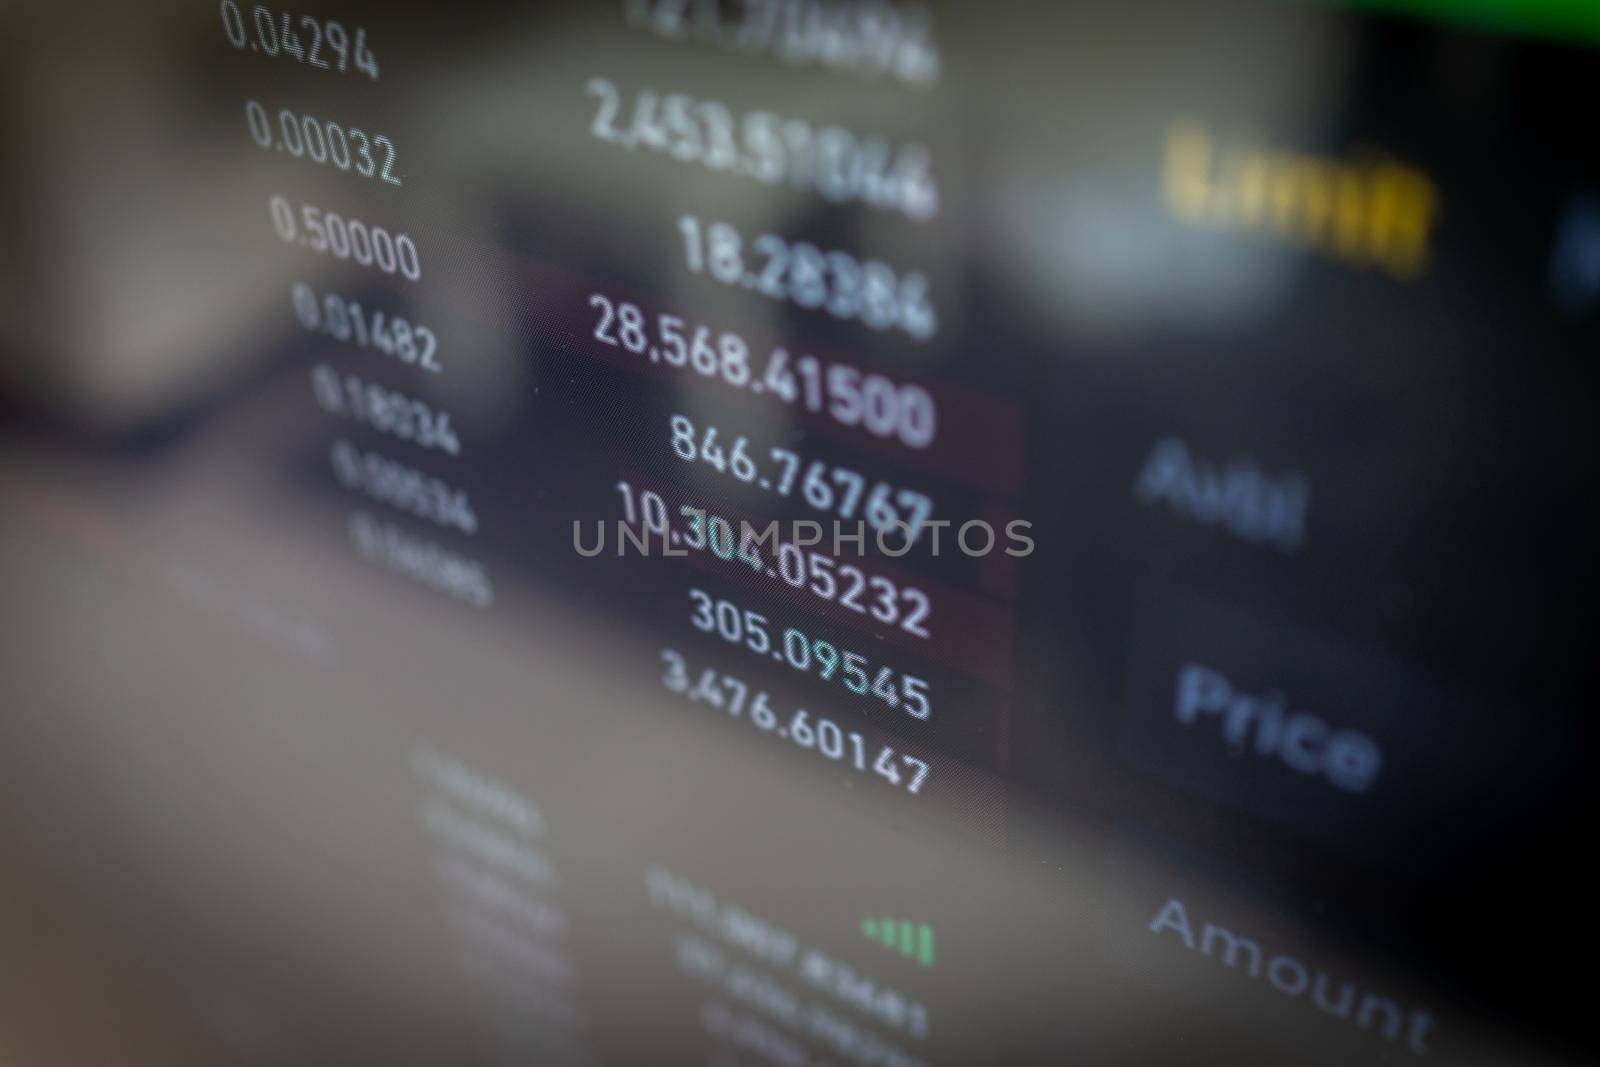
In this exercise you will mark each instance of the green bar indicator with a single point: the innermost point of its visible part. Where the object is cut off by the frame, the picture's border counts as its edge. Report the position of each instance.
(1568, 20)
(912, 940)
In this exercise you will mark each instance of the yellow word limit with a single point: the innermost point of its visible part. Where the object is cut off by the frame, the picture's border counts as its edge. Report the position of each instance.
(1369, 210)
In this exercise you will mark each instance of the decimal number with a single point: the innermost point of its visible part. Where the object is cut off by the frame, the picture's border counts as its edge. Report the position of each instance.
(322, 142)
(834, 162)
(834, 490)
(803, 274)
(794, 565)
(402, 487)
(843, 392)
(421, 561)
(809, 655)
(346, 320)
(799, 728)
(274, 34)
(384, 410)
(333, 235)
(865, 37)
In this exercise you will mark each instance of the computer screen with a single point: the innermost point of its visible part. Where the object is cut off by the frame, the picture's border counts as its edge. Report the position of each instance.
(798, 533)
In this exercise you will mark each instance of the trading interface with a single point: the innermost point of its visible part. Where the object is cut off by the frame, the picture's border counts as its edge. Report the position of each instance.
(805, 533)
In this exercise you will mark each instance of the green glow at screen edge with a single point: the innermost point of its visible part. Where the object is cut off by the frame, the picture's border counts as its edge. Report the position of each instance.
(1573, 20)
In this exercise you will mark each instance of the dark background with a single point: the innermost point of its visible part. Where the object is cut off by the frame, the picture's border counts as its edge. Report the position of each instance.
(212, 701)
